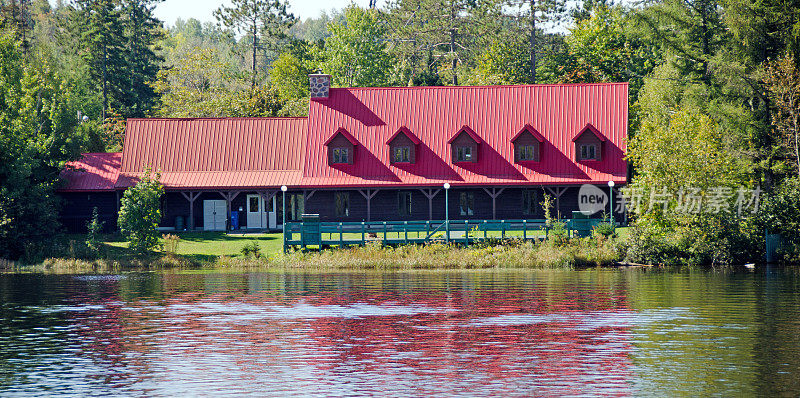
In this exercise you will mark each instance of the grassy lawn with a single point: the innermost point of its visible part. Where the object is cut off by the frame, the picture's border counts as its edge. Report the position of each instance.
(213, 244)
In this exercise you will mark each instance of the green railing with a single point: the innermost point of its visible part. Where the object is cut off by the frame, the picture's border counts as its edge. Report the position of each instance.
(325, 234)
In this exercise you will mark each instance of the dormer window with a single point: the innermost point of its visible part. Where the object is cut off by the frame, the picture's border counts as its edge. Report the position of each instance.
(527, 144)
(528, 152)
(463, 154)
(464, 146)
(341, 155)
(341, 148)
(403, 147)
(589, 144)
(401, 154)
(588, 152)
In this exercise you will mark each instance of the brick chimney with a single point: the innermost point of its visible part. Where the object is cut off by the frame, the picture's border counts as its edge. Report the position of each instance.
(319, 85)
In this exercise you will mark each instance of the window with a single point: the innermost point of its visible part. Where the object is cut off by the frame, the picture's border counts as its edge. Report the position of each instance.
(253, 208)
(464, 154)
(529, 201)
(404, 203)
(342, 202)
(527, 152)
(588, 152)
(466, 203)
(341, 155)
(295, 206)
(402, 154)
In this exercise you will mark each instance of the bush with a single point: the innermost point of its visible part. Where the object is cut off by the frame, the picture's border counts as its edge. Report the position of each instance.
(171, 243)
(94, 228)
(606, 230)
(140, 213)
(251, 249)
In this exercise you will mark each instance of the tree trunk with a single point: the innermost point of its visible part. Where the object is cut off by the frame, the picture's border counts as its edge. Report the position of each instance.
(533, 42)
(105, 84)
(255, 47)
(453, 53)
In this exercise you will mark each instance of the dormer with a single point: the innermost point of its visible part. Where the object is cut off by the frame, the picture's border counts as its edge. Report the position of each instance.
(527, 145)
(341, 147)
(589, 144)
(464, 146)
(403, 147)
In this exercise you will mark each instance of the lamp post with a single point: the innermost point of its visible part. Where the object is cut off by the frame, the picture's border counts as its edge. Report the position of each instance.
(283, 224)
(447, 211)
(611, 201)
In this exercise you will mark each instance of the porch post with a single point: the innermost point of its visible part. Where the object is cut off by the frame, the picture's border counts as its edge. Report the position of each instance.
(368, 194)
(229, 197)
(430, 193)
(494, 193)
(191, 197)
(557, 192)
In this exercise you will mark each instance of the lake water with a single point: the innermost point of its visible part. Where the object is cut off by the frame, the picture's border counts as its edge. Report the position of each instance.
(466, 333)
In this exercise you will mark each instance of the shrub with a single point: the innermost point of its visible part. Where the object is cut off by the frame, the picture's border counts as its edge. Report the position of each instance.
(251, 249)
(140, 213)
(171, 243)
(94, 228)
(607, 230)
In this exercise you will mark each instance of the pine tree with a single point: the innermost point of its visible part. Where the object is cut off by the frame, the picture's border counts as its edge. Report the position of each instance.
(264, 22)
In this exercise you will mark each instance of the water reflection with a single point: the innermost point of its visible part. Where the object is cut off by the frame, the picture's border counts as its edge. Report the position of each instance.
(587, 333)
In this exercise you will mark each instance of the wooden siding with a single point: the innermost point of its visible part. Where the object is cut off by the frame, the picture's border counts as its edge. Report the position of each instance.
(464, 140)
(77, 208)
(341, 142)
(401, 140)
(526, 139)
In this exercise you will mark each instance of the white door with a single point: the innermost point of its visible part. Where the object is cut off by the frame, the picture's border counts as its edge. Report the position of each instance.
(255, 209)
(215, 216)
(273, 214)
(256, 213)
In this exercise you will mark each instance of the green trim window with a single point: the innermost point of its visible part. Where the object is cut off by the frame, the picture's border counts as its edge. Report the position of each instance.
(529, 205)
(342, 203)
(341, 155)
(588, 152)
(464, 154)
(404, 203)
(466, 203)
(527, 152)
(402, 154)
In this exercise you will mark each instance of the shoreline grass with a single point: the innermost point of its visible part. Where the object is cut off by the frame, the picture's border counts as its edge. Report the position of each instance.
(198, 253)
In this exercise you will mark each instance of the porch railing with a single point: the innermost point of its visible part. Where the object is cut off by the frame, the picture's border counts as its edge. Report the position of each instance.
(326, 234)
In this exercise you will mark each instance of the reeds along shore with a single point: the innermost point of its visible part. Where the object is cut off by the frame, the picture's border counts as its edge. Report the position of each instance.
(593, 251)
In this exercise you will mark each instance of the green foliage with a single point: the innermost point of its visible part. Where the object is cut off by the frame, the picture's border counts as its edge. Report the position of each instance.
(116, 40)
(355, 53)
(263, 23)
(94, 228)
(171, 243)
(251, 249)
(779, 213)
(503, 62)
(140, 213)
(606, 230)
(36, 139)
(600, 49)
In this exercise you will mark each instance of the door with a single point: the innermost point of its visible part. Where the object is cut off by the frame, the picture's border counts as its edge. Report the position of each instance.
(255, 210)
(273, 213)
(215, 217)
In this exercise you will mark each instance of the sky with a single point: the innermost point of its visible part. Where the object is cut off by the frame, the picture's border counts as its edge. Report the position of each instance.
(170, 10)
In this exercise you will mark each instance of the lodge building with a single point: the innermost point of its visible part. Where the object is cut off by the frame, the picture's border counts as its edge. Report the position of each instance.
(369, 154)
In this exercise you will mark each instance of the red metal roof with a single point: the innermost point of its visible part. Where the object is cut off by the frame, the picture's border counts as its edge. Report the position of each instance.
(92, 172)
(494, 113)
(215, 152)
